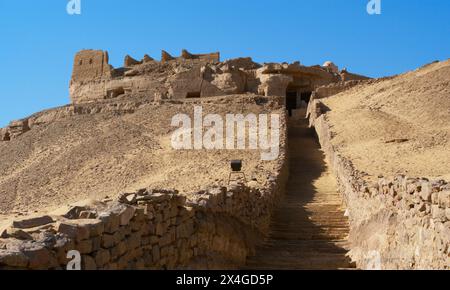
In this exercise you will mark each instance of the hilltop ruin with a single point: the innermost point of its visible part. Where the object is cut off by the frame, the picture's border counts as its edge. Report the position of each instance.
(360, 180)
(193, 76)
(196, 76)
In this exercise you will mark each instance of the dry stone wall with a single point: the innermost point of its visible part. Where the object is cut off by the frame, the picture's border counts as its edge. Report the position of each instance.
(396, 222)
(333, 89)
(216, 228)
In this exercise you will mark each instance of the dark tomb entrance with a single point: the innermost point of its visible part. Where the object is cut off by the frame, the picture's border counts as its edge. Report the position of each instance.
(291, 101)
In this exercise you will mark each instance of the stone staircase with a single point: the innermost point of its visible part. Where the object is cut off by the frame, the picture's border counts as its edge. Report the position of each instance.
(309, 230)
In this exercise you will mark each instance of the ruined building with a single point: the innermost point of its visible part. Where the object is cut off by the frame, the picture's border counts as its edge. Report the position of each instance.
(196, 76)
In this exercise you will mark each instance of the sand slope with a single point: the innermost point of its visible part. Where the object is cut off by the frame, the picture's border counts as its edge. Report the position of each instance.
(397, 125)
(95, 153)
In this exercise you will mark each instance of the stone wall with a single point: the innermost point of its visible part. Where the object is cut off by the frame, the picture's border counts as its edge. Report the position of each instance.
(396, 222)
(333, 89)
(91, 65)
(209, 57)
(14, 129)
(216, 228)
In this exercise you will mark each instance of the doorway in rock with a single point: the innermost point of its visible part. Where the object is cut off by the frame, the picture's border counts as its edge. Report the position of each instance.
(6, 137)
(306, 96)
(291, 101)
(193, 95)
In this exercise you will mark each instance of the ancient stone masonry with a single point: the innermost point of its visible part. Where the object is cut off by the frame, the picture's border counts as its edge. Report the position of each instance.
(396, 222)
(192, 75)
(216, 228)
(333, 89)
(14, 129)
(91, 65)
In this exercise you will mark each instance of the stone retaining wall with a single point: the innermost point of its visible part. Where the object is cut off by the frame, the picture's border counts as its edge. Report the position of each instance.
(396, 222)
(149, 229)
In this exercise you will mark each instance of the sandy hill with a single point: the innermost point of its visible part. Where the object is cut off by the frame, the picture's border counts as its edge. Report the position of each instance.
(105, 148)
(397, 125)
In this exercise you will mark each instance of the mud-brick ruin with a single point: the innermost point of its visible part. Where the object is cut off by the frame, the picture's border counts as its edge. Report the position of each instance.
(117, 193)
(195, 76)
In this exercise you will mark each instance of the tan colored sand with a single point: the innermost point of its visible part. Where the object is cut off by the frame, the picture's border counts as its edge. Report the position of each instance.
(371, 122)
(94, 155)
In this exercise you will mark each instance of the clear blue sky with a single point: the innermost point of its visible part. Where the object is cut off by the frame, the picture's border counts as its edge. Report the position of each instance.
(38, 39)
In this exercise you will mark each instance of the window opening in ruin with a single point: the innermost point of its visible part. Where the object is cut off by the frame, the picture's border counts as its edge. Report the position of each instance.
(81, 62)
(90, 61)
(193, 95)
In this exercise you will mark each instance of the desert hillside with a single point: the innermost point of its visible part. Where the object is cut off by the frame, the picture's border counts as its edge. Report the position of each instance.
(396, 125)
(105, 148)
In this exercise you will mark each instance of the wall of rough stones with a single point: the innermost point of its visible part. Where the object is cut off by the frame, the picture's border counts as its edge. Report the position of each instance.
(216, 228)
(333, 89)
(396, 222)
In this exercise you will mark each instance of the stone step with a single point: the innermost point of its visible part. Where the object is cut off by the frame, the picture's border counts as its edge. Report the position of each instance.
(309, 229)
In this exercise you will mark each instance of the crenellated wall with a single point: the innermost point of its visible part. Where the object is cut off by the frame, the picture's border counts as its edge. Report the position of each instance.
(190, 75)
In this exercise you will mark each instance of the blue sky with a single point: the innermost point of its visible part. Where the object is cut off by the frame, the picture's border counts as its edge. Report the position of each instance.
(38, 39)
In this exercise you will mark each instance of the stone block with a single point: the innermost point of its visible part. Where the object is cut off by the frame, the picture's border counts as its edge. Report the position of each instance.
(119, 250)
(39, 257)
(447, 213)
(96, 243)
(13, 259)
(111, 222)
(426, 191)
(32, 222)
(88, 263)
(102, 257)
(124, 212)
(444, 199)
(438, 213)
(107, 241)
(156, 254)
(73, 230)
(133, 241)
(84, 246)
